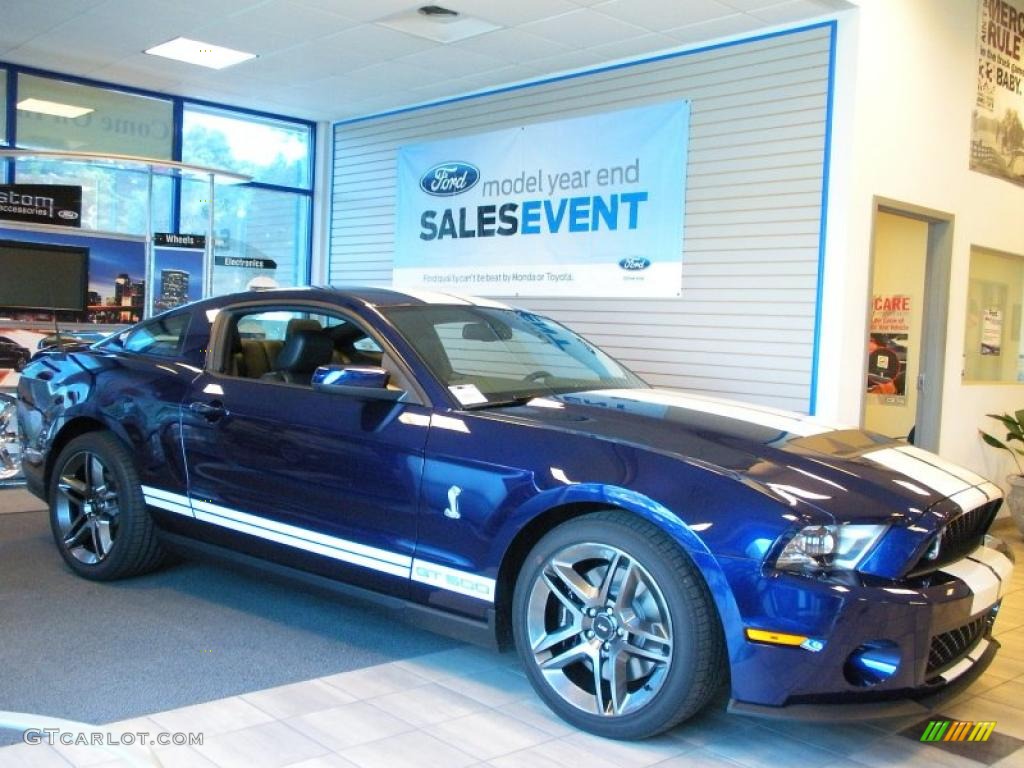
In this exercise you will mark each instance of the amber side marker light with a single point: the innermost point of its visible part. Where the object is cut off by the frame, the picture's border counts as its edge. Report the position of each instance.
(775, 638)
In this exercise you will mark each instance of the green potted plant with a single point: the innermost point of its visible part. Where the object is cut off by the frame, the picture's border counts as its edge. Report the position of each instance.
(1014, 424)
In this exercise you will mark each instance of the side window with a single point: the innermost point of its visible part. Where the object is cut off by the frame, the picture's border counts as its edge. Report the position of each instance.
(161, 337)
(306, 338)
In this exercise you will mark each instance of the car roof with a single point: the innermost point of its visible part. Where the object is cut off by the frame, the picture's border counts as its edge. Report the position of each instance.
(367, 296)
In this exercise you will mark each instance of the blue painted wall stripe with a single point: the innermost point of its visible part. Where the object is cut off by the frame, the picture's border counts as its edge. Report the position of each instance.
(823, 226)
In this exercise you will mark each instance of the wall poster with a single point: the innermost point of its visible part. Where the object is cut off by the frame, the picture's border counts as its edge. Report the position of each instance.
(997, 135)
(992, 331)
(887, 349)
(177, 269)
(586, 206)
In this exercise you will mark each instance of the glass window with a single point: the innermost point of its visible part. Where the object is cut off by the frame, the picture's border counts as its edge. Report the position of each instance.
(3, 106)
(271, 151)
(113, 198)
(487, 355)
(992, 342)
(259, 234)
(258, 338)
(161, 337)
(55, 114)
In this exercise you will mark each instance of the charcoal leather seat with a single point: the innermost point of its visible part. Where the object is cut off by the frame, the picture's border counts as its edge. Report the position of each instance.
(301, 355)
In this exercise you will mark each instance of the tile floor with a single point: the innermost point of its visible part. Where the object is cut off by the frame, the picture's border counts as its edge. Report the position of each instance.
(470, 707)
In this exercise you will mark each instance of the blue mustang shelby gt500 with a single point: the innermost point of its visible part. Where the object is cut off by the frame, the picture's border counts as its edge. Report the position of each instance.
(493, 473)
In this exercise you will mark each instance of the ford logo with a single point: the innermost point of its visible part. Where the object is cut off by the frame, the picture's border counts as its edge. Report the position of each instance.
(634, 263)
(67, 214)
(446, 179)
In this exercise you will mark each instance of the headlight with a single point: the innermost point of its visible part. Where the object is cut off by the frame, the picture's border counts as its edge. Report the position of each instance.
(826, 547)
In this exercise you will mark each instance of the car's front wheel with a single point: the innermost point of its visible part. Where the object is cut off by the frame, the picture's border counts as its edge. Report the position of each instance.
(97, 512)
(616, 627)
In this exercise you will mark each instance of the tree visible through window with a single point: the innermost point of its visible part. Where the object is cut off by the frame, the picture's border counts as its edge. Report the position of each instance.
(271, 151)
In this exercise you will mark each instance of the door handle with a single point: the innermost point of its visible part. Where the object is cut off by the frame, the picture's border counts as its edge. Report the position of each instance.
(210, 411)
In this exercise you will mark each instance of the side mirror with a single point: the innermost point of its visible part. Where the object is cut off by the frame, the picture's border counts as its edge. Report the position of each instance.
(364, 381)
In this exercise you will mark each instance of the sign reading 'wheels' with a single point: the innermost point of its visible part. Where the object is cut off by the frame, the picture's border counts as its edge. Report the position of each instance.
(588, 206)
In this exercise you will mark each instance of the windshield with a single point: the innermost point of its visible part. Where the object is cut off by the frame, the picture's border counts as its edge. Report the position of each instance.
(487, 356)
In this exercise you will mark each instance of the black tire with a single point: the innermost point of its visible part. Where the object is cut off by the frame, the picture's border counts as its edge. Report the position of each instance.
(695, 662)
(20, 363)
(133, 547)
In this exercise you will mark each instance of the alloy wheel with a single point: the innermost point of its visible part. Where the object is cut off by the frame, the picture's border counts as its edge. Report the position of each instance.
(87, 507)
(599, 629)
(10, 464)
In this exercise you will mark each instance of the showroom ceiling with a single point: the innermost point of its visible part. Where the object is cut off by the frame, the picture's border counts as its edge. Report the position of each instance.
(332, 59)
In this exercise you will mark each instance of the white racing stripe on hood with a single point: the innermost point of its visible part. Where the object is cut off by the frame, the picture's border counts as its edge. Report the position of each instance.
(923, 472)
(970, 498)
(771, 418)
(937, 461)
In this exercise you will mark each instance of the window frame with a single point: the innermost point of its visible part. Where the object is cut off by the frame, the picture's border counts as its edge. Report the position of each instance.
(7, 165)
(259, 119)
(1010, 312)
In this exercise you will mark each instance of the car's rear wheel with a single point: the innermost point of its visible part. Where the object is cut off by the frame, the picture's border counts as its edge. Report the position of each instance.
(616, 627)
(97, 512)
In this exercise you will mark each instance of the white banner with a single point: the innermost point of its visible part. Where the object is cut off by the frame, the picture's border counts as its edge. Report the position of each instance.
(588, 206)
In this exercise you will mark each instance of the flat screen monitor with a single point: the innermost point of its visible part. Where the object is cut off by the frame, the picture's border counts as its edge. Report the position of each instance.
(37, 276)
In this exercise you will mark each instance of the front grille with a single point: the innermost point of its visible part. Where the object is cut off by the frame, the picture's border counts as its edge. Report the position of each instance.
(961, 536)
(949, 647)
(966, 532)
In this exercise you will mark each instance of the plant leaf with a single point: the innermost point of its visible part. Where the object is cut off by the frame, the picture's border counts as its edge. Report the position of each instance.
(1019, 415)
(995, 442)
(1007, 421)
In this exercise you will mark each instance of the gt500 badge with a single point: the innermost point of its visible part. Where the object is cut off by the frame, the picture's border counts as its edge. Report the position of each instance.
(453, 580)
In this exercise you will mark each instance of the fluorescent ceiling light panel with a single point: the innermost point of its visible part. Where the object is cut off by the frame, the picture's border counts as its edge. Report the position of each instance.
(440, 29)
(199, 53)
(53, 108)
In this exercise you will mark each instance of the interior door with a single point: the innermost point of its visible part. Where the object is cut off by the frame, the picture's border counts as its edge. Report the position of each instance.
(322, 481)
(896, 325)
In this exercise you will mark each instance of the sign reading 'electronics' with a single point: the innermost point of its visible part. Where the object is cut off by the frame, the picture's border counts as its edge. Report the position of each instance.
(586, 206)
(55, 204)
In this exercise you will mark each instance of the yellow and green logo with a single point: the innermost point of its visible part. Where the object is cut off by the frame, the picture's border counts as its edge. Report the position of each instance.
(956, 730)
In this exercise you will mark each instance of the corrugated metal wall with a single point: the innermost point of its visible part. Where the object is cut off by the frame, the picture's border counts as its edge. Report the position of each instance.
(744, 324)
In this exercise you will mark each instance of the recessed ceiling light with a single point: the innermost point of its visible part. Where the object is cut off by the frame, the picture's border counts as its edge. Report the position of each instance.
(53, 108)
(202, 54)
(436, 23)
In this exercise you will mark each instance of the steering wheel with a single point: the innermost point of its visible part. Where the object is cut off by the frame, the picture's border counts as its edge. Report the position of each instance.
(537, 376)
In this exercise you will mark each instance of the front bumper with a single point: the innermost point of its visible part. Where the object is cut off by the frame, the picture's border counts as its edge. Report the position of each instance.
(916, 704)
(938, 627)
